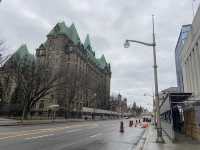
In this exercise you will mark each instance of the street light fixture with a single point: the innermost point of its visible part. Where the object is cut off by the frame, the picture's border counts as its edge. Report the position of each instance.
(153, 44)
(126, 44)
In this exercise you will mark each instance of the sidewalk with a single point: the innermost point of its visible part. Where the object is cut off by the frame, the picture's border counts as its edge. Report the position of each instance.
(13, 122)
(183, 144)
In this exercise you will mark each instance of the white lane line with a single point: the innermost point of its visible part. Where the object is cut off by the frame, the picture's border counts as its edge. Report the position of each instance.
(47, 129)
(37, 137)
(38, 131)
(95, 135)
(75, 130)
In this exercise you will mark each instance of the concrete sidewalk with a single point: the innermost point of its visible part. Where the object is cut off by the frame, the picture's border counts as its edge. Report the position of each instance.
(13, 122)
(184, 143)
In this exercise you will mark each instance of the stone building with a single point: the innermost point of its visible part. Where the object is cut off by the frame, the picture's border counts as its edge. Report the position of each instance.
(118, 104)
(88, 77)
(8, 81)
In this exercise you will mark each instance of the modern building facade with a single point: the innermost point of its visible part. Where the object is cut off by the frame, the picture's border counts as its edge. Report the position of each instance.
(185, 29)
(190, 58)
(190, 62)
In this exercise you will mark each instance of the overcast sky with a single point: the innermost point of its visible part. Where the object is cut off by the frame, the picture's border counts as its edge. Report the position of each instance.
(109, 23)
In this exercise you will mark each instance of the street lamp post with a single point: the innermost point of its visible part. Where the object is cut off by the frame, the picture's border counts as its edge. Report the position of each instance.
(153, 44)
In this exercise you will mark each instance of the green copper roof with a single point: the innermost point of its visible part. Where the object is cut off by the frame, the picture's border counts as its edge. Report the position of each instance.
(103, 59)
(60, 28)
(101, 62)
(74, 34)
(21, 53)
(87, 43)
(70, 32)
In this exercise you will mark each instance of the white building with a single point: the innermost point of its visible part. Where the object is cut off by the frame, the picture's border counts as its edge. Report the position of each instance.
(190, 62)
(190, 58)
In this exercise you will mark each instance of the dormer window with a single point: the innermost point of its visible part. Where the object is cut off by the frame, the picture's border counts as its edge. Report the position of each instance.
(68, 49)
(57, 28)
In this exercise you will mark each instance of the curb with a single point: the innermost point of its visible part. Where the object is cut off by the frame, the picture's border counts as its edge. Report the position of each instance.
(141, 142)
(38, 123)
(50, 122)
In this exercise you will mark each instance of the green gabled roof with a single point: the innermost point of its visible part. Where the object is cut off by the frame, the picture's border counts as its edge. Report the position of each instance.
(20, 54)
(70, 32)
(60, 28)
(74, 34)
(101, 62)
(42, 46)
(103, 59)
(87, 43)
(21, 51)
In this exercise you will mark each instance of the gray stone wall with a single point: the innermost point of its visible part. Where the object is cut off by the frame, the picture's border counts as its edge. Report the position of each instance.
(91, 84)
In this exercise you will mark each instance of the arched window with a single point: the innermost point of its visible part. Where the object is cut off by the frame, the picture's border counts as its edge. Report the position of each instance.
(41, 106)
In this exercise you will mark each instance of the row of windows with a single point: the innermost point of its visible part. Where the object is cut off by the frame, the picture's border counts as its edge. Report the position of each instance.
(166, 117)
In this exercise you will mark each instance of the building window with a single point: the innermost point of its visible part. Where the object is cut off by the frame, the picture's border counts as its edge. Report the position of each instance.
(68, 57)
(41, 106)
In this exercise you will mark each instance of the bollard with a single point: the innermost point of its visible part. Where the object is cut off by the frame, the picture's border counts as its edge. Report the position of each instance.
(130, 123)
(121, 127)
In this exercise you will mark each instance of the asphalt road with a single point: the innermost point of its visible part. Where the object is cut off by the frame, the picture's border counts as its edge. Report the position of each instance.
(99, 135)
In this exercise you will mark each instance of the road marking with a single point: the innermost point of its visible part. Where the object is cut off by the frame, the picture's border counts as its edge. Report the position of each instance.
(75, 130)
(95, 135)
(37, 137)
(47, 129)
(18, 135)
(25, 133)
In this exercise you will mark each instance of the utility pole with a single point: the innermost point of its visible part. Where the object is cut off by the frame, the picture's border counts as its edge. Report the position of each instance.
(153, 44)
(157, 101)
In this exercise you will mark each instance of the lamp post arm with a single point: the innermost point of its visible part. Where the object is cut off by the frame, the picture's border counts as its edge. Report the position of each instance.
(144, 43)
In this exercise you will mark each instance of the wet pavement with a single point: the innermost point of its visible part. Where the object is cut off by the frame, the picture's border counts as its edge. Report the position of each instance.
(185, 143)
(99, 135)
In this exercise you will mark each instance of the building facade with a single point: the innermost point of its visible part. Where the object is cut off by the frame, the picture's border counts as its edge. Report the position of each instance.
(190, 58)
(190, 62)
(88, 77)
(185, 29)
(118, 104)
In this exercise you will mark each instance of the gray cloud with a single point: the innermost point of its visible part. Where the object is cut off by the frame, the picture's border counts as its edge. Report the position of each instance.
(109, 22)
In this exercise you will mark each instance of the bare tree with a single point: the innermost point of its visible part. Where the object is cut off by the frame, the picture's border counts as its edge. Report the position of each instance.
(34, 80)
(76, 84)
